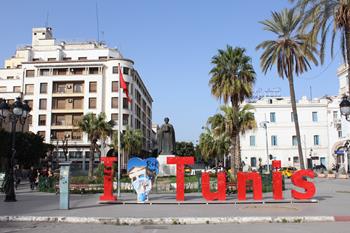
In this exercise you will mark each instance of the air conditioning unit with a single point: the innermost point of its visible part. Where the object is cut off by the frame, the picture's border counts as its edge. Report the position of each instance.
(69, 86)
(70, 100)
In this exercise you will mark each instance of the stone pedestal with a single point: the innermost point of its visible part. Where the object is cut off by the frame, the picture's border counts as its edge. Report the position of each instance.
(164, 168)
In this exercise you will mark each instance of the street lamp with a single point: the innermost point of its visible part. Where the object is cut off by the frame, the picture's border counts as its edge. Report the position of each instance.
(264, 125)
(65, 146)
(18, 111)
(345, 108)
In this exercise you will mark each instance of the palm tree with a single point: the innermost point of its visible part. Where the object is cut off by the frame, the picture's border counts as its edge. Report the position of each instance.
(131, 142)
(290, 53)
(323, 17)
(232, 79)
(237, 121)
(95, 127)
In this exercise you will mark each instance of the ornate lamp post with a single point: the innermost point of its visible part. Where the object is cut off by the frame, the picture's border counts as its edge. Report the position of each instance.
(345, 108)
(17, 112)
(65, 146)
(264, 125)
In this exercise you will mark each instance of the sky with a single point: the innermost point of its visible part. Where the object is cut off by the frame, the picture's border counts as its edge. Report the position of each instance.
(171, 42)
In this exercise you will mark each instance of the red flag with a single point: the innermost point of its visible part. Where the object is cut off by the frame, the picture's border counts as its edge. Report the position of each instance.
(122, 83)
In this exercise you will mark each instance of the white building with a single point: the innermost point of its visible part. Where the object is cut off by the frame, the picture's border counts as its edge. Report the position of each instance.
(320, 129)
(63, 81)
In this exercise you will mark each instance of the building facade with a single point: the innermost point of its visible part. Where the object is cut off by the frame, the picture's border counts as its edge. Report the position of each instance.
(64, 81)
(320, 130)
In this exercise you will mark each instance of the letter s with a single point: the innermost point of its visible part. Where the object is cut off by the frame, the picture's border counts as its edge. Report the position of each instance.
(297, 180)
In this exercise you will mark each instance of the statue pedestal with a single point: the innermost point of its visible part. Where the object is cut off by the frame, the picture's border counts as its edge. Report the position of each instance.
(164, 168)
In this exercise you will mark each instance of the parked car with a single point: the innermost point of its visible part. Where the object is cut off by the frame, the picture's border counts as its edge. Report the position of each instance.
(319, 168)
(288, 171)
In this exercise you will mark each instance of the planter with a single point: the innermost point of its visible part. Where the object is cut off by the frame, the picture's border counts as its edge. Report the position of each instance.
(332, 176)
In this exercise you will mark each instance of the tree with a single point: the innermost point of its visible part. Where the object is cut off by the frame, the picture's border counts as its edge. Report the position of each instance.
(232, 80)
(290, 53)
(184, 149)
(323, 17)
(30, 148)
(229, 121)
(95, 128)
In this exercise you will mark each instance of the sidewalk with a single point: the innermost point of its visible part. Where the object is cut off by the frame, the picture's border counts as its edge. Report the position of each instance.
(333, 200)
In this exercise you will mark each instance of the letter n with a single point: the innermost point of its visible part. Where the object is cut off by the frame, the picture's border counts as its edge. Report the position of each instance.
(242, 178)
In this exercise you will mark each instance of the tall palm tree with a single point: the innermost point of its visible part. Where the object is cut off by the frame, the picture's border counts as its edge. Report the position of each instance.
(95, 127)
(232, 79)
(323, 17)
(290, 53)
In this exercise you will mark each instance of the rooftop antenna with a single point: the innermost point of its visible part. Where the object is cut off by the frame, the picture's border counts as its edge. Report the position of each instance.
(47, 19)
(97, 24)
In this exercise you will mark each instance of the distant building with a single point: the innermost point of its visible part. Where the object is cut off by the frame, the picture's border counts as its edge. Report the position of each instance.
(320, 129)
(65, 80)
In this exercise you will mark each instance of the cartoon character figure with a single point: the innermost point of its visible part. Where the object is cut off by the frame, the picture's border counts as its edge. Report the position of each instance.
(142, 174)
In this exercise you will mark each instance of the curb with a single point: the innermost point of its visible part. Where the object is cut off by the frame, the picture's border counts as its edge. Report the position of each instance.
(175, 220)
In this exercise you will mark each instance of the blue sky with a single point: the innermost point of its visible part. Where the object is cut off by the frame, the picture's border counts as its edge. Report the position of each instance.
(172, 43)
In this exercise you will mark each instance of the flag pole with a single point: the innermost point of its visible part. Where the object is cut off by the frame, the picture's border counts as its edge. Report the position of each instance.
(120, 98)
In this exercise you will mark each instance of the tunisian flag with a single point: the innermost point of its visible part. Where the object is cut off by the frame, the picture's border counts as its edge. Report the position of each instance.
(123, 84)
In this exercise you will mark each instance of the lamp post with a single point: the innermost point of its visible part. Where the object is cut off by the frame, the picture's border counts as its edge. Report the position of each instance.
(264, 125)
(345, 108)
(18, 111)
(65, 146)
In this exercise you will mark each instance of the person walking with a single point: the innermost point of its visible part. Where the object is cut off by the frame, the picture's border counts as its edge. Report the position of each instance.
(18, 175)
(32, 177)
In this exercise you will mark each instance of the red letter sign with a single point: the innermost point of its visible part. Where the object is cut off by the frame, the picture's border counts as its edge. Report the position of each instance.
(277, 180)
(180, 174)
(242, 181)
(221, 193)
(299, 181)
(108, 179)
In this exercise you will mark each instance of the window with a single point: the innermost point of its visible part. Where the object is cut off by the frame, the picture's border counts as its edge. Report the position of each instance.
(60, 71)
(92, 86)
(77, 103)
(2, 89)
(340, 134)
(291, 117)
(43, 88)
(114, 102)
(29, 73)
(16, 89)
(115, 69)
(92, 102)
(77, 71)
(44, 72)
(316, 140)
(51, 59)
(114, 86)
(41, 133)
(252, 140)
(78, 88)
(125, 119)
(335, 115)
(67, 58)
(82, 58)
(126, 70)
(273, 140)
(295, 159)
(125, 103)
(272, 117)
(314, 117)
(114, 117)
(93, 70)
(29, 89)
(102, 58)
(42, 119)
(253, 161)
(294, 140)
(10, 77)
(42, 104)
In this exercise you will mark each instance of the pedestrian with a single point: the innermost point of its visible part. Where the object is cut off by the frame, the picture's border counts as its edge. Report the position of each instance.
(17, 175)
(32, 177)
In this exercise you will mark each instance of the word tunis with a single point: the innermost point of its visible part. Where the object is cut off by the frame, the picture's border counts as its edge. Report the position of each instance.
(298, 180)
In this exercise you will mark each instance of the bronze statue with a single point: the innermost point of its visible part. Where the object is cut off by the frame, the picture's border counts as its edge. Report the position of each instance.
(166, 139)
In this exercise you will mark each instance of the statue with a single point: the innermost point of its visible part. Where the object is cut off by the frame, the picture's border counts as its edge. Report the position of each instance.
(166, 139)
